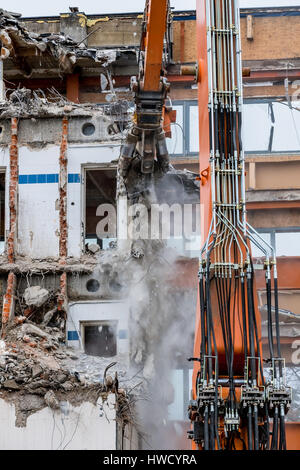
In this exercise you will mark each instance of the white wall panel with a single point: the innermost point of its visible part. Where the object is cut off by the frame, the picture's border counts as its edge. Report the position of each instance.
(85, 427)
(38, 215)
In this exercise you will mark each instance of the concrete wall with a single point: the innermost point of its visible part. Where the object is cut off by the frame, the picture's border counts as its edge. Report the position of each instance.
(38, 191)
(38, 210)
(114, 31)
(86, 427)
(274, 218)
(103, 31)
(43, 131)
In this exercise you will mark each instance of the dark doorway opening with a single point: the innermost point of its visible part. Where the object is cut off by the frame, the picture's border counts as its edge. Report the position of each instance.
(100, 189)
(100, 339)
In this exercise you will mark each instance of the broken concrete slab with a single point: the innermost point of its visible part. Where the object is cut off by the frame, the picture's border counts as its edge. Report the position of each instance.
(36, 296)
(36, 371)
(48, 316)
(11, 384)
(61, 377)
(28, 329)
(30, 402)
(51, 400)
(67, 386)
(93, 248)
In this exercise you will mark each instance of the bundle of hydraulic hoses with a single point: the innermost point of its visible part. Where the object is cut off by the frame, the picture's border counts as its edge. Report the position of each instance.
(226, 266)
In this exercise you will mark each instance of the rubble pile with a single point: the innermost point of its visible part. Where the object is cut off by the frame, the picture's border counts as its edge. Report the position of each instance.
(31, 360)
(92, 368)
(25, 103)
(37, 369)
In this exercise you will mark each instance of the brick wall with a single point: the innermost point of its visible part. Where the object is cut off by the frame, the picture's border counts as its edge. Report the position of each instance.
(273, 38)
(190, 41)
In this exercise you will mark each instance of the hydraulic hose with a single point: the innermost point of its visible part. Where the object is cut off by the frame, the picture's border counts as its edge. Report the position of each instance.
(245, 341)
(274, 443)
(282, 444)
(255, 419)
(206, 429)
(202, 318)
(251, 327)
(212, 427)
(250, 438)
(270, 325)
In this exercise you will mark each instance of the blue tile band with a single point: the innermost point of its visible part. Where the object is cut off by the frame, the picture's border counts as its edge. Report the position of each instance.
(73, 178)
(73, 336)
(47, 178)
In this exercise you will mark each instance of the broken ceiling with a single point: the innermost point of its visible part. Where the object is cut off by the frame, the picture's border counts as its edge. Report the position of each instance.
(28, 53)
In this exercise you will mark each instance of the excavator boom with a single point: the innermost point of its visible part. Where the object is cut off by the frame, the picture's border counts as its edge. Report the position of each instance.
(156, 16)
(145, 150)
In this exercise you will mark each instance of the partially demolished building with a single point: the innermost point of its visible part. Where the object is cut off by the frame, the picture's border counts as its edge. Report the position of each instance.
(66, 301)
(49, 148)
(73, 317)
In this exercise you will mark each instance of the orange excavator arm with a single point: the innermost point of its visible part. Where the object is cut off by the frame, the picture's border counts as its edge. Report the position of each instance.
(145, 147)
(156, 12)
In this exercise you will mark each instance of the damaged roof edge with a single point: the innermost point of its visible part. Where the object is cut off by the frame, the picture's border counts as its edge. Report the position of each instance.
(66, 51)
(255, 11)
(103, 15)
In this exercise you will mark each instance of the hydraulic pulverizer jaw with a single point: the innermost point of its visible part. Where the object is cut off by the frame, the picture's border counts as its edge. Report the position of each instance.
(146, 139)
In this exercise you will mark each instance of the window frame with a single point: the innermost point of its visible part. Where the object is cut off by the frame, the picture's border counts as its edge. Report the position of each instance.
(272, 231)
(84, 323)
(187, 371)
(84, 168)
(186, 104)
(267, 152)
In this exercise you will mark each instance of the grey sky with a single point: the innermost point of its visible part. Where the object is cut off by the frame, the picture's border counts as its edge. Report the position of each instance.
(54, 7)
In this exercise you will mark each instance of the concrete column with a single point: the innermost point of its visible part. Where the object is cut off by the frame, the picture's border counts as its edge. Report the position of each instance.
(2, 88)
(8, 302)
(63, 225)
(13, 190)
(63, 183)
